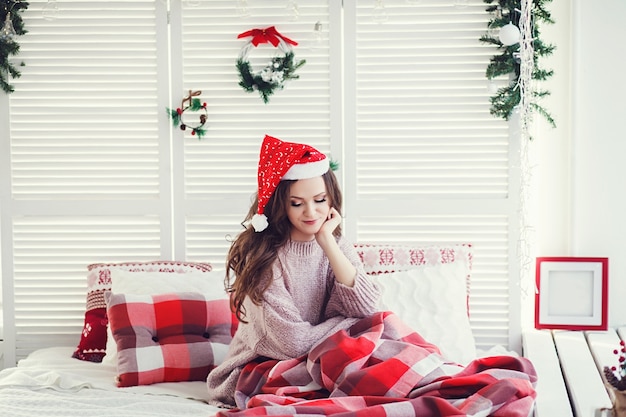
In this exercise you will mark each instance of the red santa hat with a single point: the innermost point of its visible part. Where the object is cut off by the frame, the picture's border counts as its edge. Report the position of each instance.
(279, 161)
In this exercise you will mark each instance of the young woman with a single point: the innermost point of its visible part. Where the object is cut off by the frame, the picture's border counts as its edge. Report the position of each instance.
(293, 278)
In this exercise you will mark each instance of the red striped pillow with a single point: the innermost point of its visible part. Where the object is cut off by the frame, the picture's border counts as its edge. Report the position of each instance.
(167, 337)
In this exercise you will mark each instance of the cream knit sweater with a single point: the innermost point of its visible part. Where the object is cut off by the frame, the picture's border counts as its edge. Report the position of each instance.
(302, 306)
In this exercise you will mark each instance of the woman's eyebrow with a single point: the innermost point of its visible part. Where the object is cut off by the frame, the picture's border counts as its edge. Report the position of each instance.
(323, 193)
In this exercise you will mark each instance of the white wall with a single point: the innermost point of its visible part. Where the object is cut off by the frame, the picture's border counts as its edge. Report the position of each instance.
(599, 143)
(551, 147)
(581, 165)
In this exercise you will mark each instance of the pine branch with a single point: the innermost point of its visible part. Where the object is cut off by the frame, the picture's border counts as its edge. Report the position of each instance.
(503, 103)
(543, 112)
(500, 65)
(174, 115)
(542, 75)
(10, 47)
(491, 40)
(196, 105)
(247, 79)
(541, 93)
(200, 132)
(541, 13)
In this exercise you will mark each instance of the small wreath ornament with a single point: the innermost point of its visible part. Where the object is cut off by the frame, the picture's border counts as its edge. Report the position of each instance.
(193, 105)
(280, 68)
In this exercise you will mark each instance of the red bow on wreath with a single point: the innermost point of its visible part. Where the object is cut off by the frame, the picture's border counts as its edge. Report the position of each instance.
(267, 35)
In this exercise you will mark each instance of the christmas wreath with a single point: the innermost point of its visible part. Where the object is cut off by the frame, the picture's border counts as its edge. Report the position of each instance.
(280, 69)
(194, 105)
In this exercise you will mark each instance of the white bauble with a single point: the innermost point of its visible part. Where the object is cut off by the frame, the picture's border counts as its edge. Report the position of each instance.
(509, 34)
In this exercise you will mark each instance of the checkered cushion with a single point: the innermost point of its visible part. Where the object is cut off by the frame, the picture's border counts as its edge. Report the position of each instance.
(167, 337)
(92, 344)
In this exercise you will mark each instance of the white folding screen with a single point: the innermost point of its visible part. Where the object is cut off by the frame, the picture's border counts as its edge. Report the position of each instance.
(430, 164)
(95, 171)
(216, 176)
(105, 177)
(86, 174)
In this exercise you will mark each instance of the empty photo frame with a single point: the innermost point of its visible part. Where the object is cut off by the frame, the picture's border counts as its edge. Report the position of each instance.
(572, 293)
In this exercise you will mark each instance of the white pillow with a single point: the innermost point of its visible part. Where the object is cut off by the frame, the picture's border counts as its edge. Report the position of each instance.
(210, 284)
(432, 300)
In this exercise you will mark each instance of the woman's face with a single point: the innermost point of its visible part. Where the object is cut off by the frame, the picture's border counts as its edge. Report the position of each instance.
(307, 208)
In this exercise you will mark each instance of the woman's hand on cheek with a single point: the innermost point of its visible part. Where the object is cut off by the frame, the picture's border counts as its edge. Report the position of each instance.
(329, 226)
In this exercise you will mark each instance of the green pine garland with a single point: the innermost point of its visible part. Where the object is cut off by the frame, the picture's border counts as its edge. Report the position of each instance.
(503, 103)
(285, 65)
(10, 47)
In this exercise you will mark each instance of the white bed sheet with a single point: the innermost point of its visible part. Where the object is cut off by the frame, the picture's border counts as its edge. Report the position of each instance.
(50, 382)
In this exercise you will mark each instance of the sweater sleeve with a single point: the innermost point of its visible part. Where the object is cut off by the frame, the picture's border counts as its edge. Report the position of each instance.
(360, 300)
(284, 333)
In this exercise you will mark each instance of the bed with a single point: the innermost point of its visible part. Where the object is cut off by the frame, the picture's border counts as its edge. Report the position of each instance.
(159, 367)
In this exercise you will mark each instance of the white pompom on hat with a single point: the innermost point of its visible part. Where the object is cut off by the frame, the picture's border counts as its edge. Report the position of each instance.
(279, 161)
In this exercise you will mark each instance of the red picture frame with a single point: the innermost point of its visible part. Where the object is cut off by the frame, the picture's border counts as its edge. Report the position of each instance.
(572, 293)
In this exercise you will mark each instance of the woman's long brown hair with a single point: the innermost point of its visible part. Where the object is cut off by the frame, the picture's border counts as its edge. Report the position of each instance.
(251, 255)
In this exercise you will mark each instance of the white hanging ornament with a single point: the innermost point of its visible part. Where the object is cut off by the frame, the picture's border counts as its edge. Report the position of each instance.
(7, 32)
(50, 10)
(379, 14)
(509, 34)
(317, 38)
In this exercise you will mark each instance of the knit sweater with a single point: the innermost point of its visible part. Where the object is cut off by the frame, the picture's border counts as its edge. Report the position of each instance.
(302, 306)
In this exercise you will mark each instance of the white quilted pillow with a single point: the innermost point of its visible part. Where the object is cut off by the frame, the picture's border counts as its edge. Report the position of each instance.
(432, 300)
(209, 284)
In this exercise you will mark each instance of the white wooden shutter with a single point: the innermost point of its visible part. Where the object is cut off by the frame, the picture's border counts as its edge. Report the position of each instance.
(85, 177)
(430, 163)
(215, 177)
(90, 173)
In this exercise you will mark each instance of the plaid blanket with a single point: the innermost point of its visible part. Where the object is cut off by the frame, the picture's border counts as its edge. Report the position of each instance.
(380, 367)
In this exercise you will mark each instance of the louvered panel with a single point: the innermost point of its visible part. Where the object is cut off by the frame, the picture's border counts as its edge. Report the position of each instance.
(224, 161)
(209, 237)
(218, 170)
(422, 107)
(30, 340)
(426, 143)
(489, 298)
(88, 122)
(84, 114)
(51, 255)
(87, 171)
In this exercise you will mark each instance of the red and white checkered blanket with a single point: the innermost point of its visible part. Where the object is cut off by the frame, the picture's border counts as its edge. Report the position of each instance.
(380, 367)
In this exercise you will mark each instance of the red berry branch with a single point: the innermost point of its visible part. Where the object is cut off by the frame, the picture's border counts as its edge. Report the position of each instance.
(616, 375)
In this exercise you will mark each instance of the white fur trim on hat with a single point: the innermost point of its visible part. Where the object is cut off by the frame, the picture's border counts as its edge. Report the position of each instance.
(307, 170)
(259, 222)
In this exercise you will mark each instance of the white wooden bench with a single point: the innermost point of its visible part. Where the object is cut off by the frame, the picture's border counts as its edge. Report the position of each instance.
(569, 368)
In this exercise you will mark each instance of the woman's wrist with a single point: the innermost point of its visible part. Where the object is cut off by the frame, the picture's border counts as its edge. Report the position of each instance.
(343, 269)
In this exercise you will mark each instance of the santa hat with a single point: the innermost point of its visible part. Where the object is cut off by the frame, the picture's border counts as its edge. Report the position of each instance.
(279, 161)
